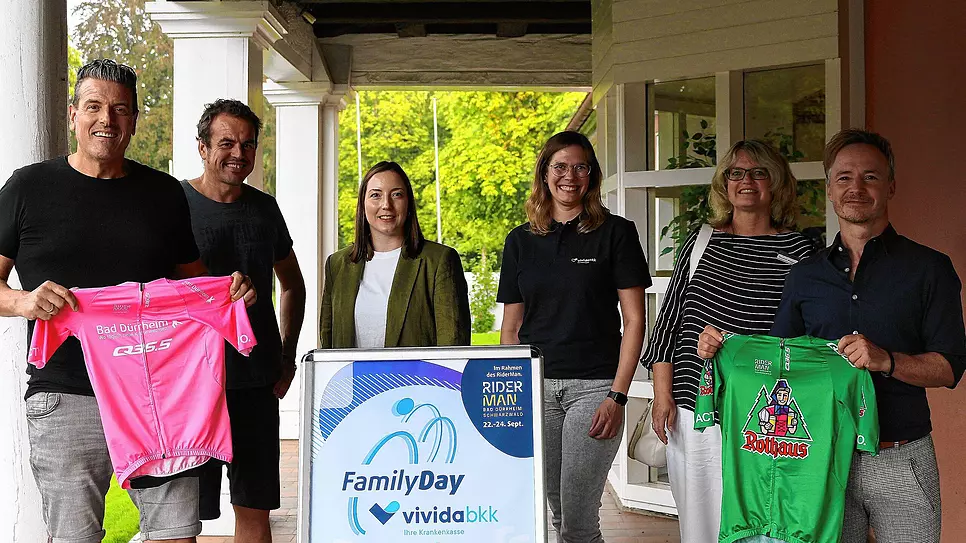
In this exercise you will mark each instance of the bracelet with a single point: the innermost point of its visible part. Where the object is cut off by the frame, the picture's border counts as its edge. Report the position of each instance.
(892, 365)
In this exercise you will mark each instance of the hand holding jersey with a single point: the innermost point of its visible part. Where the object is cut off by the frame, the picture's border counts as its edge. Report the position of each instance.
(709, 341)
(241, 287)
(43, 302)
(861, 352)
(864, 354)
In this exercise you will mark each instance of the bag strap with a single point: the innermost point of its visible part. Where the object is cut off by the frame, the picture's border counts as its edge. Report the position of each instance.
(700, 244)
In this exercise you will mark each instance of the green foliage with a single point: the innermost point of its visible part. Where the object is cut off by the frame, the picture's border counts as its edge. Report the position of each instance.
(488, 145)
(266, 140)
(73, 64)
(483, 295)
(121, 518)
(486, 338)
(696, 150)
(121, 30)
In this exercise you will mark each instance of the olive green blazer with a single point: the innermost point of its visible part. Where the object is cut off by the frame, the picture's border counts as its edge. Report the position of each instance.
(428, 304)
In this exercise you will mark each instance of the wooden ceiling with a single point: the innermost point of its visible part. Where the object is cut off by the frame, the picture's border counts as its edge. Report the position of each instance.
(409, 19)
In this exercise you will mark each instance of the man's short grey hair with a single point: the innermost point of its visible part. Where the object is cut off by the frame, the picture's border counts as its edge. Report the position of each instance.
(106, 69)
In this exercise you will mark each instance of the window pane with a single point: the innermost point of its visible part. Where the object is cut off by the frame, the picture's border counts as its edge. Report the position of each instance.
(811, 202)
(677, 212)
(683, 113)
(786, 107)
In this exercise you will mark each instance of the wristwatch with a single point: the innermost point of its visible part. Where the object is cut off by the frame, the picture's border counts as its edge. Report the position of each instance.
(618, 397)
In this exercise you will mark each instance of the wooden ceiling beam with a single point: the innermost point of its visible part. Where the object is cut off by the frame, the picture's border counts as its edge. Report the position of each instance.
(411, 30)
(511, 30)
(369, 13)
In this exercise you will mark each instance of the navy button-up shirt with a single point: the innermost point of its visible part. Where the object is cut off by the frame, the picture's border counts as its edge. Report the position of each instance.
(905, 298)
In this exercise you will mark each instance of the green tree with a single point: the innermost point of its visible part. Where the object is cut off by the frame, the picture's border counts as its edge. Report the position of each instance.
(488, 145)
(73, 64)
(483, 295)
(397, 126)
(266, 140)
(486, 166)
(121, 30)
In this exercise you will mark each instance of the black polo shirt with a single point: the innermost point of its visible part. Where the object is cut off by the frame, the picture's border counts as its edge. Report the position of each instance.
(905, 298)
(568, 282)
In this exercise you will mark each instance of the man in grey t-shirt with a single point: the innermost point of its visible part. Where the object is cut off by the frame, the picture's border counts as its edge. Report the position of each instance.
(239, 227)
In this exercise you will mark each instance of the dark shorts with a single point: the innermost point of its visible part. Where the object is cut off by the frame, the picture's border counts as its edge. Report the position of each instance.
(253, 473)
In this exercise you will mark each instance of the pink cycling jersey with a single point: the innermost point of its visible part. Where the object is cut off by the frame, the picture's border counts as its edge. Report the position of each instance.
(155, 354)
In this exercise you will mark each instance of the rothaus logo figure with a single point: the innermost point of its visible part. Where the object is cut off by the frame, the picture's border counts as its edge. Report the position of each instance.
(778, 418)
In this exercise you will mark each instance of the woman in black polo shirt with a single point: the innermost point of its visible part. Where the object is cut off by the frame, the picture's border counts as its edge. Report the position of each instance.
(564, 273)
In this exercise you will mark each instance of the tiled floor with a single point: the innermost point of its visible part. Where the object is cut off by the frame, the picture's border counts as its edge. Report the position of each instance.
(618, 526)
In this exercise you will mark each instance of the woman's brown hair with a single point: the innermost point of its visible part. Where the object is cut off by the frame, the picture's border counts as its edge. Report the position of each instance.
(784, 186)
(539, 205)
(412, 235)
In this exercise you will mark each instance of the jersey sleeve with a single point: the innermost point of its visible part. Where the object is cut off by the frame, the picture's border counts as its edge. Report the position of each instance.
(208, 301)
(706, 404)
(866, 415)
(48, 336)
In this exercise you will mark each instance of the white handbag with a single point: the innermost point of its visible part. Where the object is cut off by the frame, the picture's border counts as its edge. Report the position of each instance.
(644, 445)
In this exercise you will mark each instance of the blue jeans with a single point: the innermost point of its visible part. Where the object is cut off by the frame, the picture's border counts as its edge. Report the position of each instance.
(576, 464)
(70, 462)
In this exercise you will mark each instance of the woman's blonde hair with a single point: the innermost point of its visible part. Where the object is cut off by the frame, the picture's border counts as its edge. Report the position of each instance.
(784, 187)
(539, 205)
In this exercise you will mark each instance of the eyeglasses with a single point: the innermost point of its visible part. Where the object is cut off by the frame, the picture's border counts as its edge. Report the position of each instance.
(737, 174)
(560, 169)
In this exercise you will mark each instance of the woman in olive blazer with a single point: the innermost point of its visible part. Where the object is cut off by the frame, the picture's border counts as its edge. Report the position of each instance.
(428, 302)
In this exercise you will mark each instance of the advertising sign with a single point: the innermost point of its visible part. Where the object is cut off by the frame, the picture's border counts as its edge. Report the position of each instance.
(430, 444)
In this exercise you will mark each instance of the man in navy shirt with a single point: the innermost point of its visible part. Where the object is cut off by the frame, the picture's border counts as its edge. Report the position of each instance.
(895, 307)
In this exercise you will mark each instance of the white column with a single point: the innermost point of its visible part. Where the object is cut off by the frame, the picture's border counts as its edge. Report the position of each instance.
(218, 53)
(299, 190)
(334, 103)
(34, 59)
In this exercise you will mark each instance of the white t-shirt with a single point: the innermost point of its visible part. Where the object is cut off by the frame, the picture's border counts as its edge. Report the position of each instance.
(372, 302)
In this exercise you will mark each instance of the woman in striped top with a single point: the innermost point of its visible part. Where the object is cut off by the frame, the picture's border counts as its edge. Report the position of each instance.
(736, 287)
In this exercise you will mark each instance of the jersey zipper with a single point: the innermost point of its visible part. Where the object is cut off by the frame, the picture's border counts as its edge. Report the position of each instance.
(783, 363)
(147, 371)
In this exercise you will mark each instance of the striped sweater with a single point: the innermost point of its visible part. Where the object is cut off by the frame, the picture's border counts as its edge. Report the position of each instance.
(736, 287)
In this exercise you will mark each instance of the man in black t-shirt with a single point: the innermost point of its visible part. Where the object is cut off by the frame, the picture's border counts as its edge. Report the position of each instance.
(238, 227)
(92, 219)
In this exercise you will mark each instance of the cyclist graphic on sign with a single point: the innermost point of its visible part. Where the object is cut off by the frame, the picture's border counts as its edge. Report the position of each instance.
(778, 418)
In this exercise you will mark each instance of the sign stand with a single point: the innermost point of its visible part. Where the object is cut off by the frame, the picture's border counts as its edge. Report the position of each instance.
(439, 444)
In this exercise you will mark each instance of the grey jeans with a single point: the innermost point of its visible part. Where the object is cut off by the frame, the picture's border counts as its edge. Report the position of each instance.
(72, 467)
(576, 464)
(897, 493)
